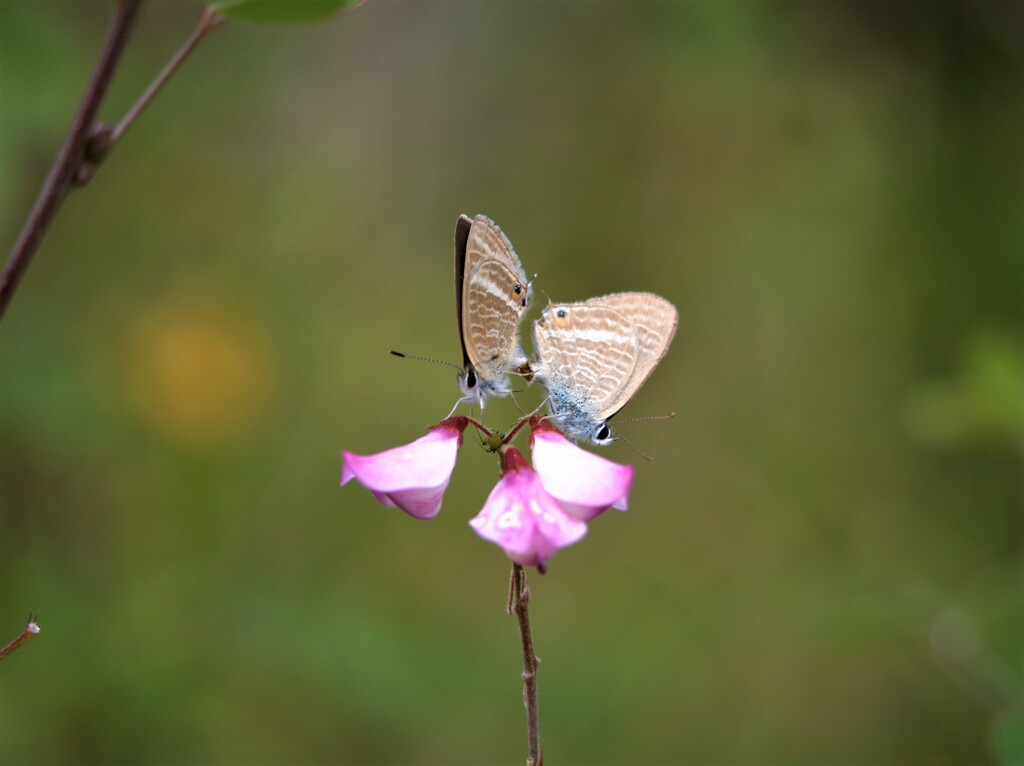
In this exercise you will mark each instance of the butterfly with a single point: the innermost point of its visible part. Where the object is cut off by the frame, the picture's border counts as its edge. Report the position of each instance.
(593, 356)
(491, 296)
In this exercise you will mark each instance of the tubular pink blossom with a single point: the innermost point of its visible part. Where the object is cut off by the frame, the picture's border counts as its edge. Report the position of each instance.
(414, 476)
(522, 518)
(585, 484)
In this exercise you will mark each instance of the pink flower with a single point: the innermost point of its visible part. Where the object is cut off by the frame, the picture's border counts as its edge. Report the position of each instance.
(414, 476)
(583, 483)
(521, 517)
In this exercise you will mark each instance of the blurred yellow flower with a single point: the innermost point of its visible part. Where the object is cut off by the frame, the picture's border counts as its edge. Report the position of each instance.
(197, 375)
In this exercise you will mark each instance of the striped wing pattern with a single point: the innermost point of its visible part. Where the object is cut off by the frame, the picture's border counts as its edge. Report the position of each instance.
(654, 320)
(588, 350)
(494, 298)
(593, 356)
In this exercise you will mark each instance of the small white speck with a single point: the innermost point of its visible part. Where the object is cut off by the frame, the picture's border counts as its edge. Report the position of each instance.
(507, 520)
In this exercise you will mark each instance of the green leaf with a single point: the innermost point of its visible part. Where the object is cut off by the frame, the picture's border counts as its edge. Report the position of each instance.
(280, 11)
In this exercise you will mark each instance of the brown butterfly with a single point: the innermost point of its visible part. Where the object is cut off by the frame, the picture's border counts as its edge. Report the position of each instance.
(593, 356)
(491, 295)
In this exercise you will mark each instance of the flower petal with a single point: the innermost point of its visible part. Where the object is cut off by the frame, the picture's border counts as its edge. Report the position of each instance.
(584, 483)
(426, 462)
(422, 503)
(525, 520)
(413, 476)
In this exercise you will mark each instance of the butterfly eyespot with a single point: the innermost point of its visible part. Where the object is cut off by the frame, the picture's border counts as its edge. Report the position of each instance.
(523, 303)
(518, 289)
(561, 314)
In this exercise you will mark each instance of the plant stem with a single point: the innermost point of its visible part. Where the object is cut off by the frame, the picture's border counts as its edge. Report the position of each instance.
(519, 599)
(71, 153)
(210, 21)
(31, 629)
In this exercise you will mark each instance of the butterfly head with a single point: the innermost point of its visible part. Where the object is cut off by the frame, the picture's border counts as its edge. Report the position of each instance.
(581, 428)
(602, 435)
(470, 385)
(475, 388)
(574, 415)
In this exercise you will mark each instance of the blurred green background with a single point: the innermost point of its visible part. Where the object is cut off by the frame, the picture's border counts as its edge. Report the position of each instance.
(821, 565)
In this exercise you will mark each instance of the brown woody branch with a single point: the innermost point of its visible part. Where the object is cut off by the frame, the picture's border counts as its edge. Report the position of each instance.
(519, 599)
(31, 629)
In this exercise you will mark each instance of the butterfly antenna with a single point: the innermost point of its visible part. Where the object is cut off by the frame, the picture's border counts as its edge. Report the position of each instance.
(426, 359)
(633, 447)
(666, 416)
(530, 284)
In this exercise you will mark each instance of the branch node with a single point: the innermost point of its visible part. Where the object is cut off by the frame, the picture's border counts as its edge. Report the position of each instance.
(96, 149)
(31, 629)
(66, 171)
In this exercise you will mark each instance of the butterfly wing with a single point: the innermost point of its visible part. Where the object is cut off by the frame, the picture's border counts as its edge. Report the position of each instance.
(462, 228)
(494, 296)
(587, 353)
(654, 322)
